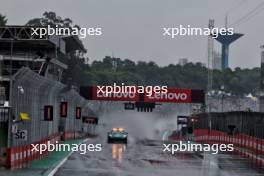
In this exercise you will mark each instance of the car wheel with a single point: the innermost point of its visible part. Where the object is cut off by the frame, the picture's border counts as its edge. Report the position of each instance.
(125, 141)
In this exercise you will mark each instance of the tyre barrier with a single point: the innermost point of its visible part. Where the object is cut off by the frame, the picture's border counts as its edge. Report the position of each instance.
(244, 145)
(19, 157)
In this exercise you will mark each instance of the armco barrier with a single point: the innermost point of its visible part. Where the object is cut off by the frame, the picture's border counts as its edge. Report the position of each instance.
(244, 145)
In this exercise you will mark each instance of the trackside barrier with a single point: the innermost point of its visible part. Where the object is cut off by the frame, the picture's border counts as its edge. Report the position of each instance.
(70, 135)
(19, 157)
(176, 138)
(39, 92)
(244, 145)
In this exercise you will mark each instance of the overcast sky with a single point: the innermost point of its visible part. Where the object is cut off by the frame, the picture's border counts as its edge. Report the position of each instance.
(133, 28)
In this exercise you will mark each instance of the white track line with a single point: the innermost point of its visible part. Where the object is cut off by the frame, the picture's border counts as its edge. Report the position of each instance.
(63, 161)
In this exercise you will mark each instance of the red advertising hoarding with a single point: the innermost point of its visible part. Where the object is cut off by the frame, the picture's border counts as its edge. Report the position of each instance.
(78, 113)
(48, 113)
(173, 95)
(64, 109)
(101, 95)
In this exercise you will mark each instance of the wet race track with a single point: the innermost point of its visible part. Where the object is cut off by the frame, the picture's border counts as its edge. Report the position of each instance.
(146, 158)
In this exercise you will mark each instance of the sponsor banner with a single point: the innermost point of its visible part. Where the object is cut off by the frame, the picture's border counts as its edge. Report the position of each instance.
(64, 109)
(48, 113)
(90, 120)
(78, 112)
(102, 95)
(173, 95)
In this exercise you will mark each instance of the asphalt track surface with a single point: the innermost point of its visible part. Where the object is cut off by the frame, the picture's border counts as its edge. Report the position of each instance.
(146, 158)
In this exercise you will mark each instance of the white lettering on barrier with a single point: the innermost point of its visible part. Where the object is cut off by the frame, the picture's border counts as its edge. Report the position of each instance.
(170, 96)
(116, 95)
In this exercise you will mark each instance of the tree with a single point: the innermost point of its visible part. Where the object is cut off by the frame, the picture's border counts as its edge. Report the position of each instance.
(111, 69)
(3, 20)
(192, 75)
(51, 19)
(77, 64)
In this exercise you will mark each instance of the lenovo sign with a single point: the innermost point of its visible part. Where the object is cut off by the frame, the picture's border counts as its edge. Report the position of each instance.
(173, 95)
(98, 93)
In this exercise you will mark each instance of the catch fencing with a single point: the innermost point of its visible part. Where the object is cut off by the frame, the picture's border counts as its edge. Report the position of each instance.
(249, 123)
(30, 94)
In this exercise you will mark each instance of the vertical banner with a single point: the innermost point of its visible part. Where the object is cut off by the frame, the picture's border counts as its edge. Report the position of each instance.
(64, 109)
(48, 113)
(78, 112)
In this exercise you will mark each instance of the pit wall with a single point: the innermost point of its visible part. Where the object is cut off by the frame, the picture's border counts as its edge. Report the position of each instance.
(21, 156)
